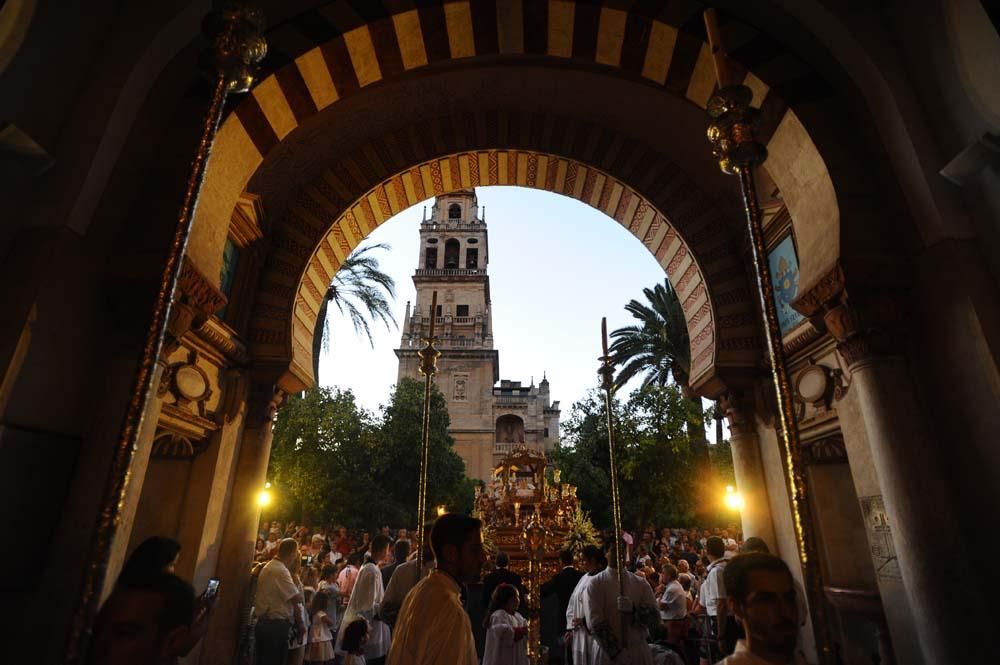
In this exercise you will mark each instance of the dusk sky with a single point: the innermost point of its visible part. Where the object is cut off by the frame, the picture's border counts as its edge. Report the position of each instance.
(556, 267)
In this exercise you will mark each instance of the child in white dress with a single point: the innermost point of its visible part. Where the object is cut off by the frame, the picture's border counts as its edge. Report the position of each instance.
(319, 651)
(506, 629)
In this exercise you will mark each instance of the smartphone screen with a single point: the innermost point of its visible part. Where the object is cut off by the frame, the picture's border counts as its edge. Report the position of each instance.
(212, 589)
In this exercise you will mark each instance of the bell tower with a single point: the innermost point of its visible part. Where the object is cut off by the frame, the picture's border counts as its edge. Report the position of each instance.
(454, 254)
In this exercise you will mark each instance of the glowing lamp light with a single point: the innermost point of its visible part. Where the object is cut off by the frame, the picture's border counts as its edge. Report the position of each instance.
(441, 510)
(733, 499)
(264, 496)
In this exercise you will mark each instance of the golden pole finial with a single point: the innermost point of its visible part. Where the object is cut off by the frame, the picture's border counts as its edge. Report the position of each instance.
(731, 134)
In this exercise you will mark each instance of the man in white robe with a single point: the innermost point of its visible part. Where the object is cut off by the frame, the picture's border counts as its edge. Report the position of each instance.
(579, 642)
(366, 601)
(604, 606)
(433, 628)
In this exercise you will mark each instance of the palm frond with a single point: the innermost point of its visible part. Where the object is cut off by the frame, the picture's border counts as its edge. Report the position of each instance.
(658, 347)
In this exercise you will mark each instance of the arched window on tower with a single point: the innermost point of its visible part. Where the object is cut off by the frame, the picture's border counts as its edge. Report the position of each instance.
(510, 429)
(451, 252)
(431, 261)
(454, 211)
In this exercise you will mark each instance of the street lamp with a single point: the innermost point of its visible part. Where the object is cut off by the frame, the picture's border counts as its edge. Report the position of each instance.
(733, 499)
(264, 496)
(441, 510)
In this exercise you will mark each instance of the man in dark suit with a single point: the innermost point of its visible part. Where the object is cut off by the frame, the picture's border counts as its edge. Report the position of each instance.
(400, 551)
(563, 583)
(501, 576)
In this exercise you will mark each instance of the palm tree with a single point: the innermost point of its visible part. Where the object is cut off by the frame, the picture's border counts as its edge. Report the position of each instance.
(659, 347)
(359, 289)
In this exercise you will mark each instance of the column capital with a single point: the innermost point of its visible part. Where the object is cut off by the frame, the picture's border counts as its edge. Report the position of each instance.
(738, 407)
(263, 402)
(863, 323)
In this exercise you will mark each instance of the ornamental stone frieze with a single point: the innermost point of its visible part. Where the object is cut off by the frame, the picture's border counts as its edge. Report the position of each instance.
(195, 301)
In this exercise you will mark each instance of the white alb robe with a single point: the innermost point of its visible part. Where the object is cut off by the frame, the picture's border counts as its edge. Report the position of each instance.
(366, 599)
(583, 646)
(604, 619)
(501, 648)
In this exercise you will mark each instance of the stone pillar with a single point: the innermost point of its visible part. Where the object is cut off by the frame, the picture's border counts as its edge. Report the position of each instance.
(240, 532)
(749, 470)
(914, 517)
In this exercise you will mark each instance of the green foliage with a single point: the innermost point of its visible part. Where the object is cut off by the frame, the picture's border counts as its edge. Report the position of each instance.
(360, 290)
(657, 468)
(334, 462)
(658, 348)
(399, 454)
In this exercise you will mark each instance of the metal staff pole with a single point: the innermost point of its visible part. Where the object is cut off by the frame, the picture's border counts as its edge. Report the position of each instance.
(733, 144)
(607, 372)
(237, 46)
(428, 367)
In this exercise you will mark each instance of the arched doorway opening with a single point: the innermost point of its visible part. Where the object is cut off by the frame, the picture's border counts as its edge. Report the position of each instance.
(565, 141)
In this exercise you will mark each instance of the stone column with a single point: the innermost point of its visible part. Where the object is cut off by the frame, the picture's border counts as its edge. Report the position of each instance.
(917, 507)
(240, 532)
(749, 470)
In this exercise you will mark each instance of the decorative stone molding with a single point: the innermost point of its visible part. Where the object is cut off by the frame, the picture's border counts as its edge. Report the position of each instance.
(199, 292)
(263, 402)
(827, 307)
(195, 300)
(245, 226)
(803, 340)
(817, 387)
(235, 385)
(739, 410)
(829, 289)
(827, 450)
(217, 335)
(182, 434)
(856, 350)
(171, 445)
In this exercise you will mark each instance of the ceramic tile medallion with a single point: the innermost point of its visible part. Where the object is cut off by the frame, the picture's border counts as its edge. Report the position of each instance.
(784, 265)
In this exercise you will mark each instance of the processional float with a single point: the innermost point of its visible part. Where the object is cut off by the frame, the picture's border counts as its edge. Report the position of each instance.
(528, 513)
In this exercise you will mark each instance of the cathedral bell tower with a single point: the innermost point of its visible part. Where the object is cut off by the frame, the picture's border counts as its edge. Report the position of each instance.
(454, 253)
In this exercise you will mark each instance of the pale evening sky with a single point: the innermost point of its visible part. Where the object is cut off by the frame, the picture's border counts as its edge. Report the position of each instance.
(556, 267)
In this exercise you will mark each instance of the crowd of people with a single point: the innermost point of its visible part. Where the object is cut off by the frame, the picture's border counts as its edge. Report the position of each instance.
(333, 582)
(335, 597)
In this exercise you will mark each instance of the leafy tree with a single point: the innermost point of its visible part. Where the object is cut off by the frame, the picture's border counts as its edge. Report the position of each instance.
(658, 348)
(398, 455)
(332, 461)
(654, 458)
(359, 289)
(322, 439)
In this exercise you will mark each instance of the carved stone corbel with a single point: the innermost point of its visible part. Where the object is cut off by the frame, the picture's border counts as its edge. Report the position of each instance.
(195, 301)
